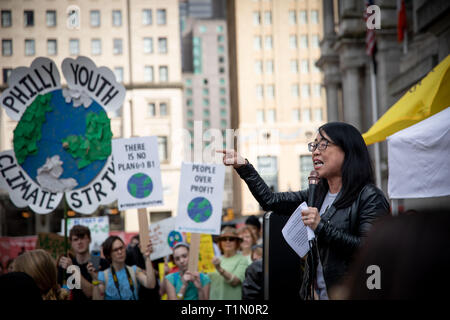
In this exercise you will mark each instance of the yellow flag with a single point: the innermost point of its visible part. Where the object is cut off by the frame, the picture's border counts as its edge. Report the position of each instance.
(429, 96)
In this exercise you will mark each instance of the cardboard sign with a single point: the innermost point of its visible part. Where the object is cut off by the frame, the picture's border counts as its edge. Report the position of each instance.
(11, 247)
(99, 227)
(164, 237)
(62, 141)
(52, 243)
(200, 198)
(206, 253)
(138, 173)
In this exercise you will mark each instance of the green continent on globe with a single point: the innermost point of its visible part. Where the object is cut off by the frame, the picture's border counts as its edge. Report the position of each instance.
(96, 142)
(29, 129)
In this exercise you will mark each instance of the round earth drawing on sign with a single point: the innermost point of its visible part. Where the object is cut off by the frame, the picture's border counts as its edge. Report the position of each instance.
(199, 209)
(140, 185)
(173, 238)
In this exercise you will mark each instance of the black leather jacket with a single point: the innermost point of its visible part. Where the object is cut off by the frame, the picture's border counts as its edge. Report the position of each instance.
(339, 232)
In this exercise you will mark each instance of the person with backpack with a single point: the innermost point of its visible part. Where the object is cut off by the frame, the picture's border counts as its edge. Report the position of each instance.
(119, 281)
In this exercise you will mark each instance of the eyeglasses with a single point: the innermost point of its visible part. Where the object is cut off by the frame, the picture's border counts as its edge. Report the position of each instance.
(230, 239)
(121, 248)
(322, 145)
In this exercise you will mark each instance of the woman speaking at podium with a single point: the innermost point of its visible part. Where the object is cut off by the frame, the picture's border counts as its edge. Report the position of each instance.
(346, 203)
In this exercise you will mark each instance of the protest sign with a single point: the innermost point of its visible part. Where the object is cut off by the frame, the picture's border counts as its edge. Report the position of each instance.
(164, 237)
(99, 227)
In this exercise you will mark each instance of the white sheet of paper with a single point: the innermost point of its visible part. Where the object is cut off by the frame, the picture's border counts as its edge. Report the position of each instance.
(296, 234)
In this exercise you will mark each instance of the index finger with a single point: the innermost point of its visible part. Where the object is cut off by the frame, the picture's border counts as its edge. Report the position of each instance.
(221, 151)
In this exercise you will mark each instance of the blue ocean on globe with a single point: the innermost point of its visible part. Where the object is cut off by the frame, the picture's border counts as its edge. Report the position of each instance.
(199, 209)
(63, 121)
(140, 185)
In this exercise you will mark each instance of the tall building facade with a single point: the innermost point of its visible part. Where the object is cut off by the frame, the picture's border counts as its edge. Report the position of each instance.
(399, 66)
(137, 39)
(205, 77)
(276, 90)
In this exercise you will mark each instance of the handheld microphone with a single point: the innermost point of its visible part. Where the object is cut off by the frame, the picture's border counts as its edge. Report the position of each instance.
(313, 180)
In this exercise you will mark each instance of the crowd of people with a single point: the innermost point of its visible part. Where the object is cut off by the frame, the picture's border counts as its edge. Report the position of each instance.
(354, 232)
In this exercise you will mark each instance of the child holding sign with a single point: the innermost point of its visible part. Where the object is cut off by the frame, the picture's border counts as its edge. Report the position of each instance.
(184, 285)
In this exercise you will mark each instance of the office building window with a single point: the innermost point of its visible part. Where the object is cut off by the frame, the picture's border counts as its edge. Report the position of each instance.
(117, 18)
(223, 113)
(304, 41)
(223, 123)
(296, 115)
(95, 18)
(293, 41)
(267, 18)
(50, 17)
(305, 91)
(315, 41)
(151, 109)
(52, 48)
(118, 72)
(222, 91)
(189, 91)
(304, 66)
(189, 82)
(28, 18)
(96, 46)
(314, 68)
(6, 74)
(269, 66)
(162, 45)
(163, 109)
(205, 102)
(161, 17)
(257, 43)
(268, 43)
(147, 17)
(306, 115)
(223, 102)
(295, 90)
(220, 38)
(205, 91)
(303, 17)
(256, 18)
(206, 113)
(206, 124)
(221, 59)
(270, 91)
(190, 113)
(294, 66)
(6, 18)
(148, 74)
(259, 116)
(117, 46)
(259, 92)
(163, 74)
(258, 67)
(219, 29)
(314, 17)
(268, 170)
(222, 81)
(292, 17)
(316, 90)
(221, 70)
(221, 49)
(318, 114)
(74, 46)
(7, 47)
(148, 45)
(271, 115)
(162, 148)
(306, 166)
(29, 47)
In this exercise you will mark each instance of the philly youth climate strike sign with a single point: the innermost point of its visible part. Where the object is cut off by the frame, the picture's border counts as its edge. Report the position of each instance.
(200, 199)
(138, 173)
(62, 142)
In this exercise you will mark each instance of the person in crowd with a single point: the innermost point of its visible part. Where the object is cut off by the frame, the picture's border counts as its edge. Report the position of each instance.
(134, 256)
(183, 284)
(9, 266)
(40, 266)
(119, 281)
(346, 202)
(253, 223)
(248, 241)
(18, 286)
(1, 268)
(80, 239)
(226, 280)
(396, 263)
(252, 287)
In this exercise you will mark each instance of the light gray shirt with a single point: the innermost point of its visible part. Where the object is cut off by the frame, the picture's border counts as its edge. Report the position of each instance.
(321, 288)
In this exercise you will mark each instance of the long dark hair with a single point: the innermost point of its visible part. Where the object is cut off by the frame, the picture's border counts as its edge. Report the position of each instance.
(357, 169)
